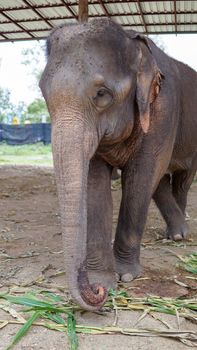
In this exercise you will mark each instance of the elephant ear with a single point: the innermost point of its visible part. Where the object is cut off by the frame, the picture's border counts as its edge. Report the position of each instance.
(149, 79)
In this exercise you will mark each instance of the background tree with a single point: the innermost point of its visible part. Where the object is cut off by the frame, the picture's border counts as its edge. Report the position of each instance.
(34, 59)
(37, 110)
(7, 109)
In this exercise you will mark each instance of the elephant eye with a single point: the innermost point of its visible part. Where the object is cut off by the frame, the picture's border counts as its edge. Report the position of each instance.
(103, 98)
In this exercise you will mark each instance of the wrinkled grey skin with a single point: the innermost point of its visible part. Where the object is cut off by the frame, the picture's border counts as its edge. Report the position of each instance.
(116, 100)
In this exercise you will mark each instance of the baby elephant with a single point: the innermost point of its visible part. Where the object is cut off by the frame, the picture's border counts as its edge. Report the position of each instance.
(116, 100)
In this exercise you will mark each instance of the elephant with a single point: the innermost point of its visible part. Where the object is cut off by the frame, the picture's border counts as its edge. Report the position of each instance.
(116, 100)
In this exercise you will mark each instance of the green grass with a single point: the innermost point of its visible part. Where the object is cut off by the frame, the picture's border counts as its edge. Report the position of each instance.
(36, 154)
(188, 262)
(52, 311)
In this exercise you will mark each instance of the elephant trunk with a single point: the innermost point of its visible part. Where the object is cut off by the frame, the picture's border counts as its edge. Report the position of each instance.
(73, 147)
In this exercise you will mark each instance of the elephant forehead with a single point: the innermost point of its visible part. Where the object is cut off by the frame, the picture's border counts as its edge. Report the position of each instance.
(93, 28)
(90, 57)
(100, 33)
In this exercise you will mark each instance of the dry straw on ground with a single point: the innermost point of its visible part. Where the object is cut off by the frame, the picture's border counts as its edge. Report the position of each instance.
(53, 311)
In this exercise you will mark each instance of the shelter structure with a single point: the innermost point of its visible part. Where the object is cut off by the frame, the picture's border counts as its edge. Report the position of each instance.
(34, 19)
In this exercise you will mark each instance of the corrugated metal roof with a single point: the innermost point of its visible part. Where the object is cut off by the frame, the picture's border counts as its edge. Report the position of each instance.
(33, 19)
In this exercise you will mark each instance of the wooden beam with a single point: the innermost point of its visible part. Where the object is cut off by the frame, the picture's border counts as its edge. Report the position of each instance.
(142, 16)
(83, 11)
(125, 26)
(115, 14)
(30, 31)
(14, 22)
(37, 12)
(175, 16)
(104, 8)
(69, 9)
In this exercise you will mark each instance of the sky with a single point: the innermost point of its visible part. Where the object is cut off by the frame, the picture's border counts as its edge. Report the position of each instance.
(17, 78)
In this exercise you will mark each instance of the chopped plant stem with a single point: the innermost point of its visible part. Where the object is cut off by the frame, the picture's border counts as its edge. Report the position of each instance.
(188, 262)
(3, 324)
(159, 319)
(181, 283)
(57, 313)
(178, 318)
(145, 313)
(116, 312)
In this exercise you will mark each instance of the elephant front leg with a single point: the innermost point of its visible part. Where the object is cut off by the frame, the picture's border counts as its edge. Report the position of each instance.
(137, 183)
(100, 260)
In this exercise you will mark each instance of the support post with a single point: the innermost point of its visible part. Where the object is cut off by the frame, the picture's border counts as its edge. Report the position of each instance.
(83, 11)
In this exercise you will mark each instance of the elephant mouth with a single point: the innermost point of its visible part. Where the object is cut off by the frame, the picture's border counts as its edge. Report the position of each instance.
(117, 151)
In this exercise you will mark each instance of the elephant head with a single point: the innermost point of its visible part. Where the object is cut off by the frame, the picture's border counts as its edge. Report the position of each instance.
(98, 83)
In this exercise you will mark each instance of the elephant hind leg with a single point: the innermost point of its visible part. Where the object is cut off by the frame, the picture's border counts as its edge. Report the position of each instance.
(177, 228)
(181, 182)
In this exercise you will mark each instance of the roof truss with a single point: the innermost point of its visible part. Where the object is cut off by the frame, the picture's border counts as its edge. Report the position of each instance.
(34, 19)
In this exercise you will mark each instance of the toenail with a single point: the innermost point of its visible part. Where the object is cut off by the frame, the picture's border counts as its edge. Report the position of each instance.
(178, 237)
(127, 277)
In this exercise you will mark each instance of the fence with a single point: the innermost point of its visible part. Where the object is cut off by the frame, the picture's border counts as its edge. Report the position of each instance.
(25, 134)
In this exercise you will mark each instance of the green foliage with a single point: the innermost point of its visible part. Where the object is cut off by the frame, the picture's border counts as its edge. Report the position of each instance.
(189, 262)
(55, 312)
(71, 331)
(36, 110)
(6, 106)
(8, 110)
(33, 58)
(49, 309)
(37, 106)
(23, 330)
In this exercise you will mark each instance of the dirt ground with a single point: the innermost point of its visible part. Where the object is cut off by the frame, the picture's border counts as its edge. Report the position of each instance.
(30, 233)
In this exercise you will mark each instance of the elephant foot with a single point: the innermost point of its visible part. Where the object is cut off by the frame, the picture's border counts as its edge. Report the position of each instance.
(103, 277)
(177, 233)
(128, 272)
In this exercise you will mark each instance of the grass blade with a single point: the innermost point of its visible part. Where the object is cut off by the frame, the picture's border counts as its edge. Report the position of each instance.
(33, 303)
(55, 318)
(23, 330)
(71, 330)
(189, 262)
(59, 313)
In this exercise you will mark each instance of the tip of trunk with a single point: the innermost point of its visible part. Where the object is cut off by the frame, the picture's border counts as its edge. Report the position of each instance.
(93, 295)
